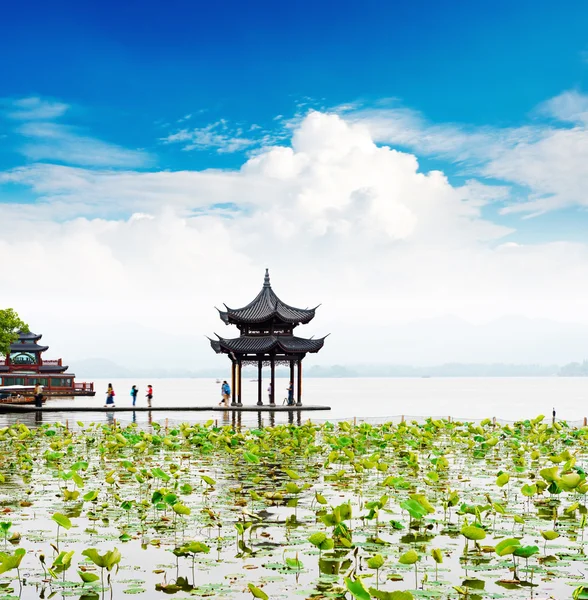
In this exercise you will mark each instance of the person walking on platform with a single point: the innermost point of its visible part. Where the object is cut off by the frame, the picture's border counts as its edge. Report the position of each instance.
(149, 395)
(134, 394)
(225, 393)
(109, 396)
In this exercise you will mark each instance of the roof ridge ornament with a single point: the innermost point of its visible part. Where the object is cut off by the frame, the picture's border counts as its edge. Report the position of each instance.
(266, 279)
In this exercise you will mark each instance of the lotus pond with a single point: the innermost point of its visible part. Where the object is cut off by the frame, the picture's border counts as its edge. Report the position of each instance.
(438, 509)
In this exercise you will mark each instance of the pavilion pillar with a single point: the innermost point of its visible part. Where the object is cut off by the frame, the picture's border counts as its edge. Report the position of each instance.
(233, 384)
(239, 365)
(299, 391)
(291, 382)
(259, 382)
(273, 382)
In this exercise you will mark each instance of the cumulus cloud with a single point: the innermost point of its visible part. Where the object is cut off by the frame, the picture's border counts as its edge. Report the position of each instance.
(338, 219)
(544, 158)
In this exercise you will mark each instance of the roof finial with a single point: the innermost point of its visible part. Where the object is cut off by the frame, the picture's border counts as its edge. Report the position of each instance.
(266, 279)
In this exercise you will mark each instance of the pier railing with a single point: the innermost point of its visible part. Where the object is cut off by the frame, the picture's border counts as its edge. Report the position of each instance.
(84, 386)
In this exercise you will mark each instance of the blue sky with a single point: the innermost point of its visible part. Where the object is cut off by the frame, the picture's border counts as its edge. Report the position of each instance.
(266, 124)
(128, 70)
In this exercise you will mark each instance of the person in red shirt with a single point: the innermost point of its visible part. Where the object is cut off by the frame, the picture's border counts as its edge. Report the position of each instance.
(149, 394)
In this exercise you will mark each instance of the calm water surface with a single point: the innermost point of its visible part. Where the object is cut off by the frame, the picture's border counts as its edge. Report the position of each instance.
(366, 399)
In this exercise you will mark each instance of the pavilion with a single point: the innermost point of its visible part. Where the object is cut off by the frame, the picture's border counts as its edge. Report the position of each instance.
(266, 338)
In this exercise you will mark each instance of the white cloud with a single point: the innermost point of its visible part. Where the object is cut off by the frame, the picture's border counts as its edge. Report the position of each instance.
(216, 136)
(33, 109)
(546, 159)
(42, 139)
(60, 143)
(338, 219)
(570, 106)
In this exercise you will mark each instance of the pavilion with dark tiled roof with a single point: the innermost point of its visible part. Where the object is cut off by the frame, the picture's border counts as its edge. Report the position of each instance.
(267, 338)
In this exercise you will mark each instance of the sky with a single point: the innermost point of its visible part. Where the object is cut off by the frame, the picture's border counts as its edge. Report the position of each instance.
(417, 168)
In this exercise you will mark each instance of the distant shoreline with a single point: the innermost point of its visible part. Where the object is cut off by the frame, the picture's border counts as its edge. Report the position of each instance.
(104, 369)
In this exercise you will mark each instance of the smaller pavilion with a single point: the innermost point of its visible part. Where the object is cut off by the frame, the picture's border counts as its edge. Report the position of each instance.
(266, 338)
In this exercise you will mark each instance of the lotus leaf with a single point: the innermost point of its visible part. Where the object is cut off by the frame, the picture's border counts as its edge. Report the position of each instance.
(257, 593)
(507, 546)
(357, 589)
(408, 558)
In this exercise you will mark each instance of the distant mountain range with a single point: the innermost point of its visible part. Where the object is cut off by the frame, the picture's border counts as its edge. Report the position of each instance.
(100, 368)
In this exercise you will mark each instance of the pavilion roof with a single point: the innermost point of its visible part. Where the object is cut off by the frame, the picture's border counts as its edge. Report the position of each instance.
(53, 369)
(29, 336)
(266, 306)
(265, 344)
(27, 347)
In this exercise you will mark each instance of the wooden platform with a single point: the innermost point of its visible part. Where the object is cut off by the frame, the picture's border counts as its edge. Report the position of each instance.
(13, 408)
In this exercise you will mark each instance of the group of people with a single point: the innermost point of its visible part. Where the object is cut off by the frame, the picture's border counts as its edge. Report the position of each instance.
(226, 394)
(134, 393)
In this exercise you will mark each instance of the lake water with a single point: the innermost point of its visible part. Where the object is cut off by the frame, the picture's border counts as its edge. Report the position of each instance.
(507, 399)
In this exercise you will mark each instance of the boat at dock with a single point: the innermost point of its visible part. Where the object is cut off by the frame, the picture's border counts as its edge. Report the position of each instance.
(17, 394)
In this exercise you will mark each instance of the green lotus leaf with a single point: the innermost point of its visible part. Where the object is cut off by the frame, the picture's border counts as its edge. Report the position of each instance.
(526, 551)
(356, 588)
(471, 532)
(507, 546)
(257, 593)
(375, 562)
(88, 577)
(62, 520)
(8, 562)
(529, 490)
(408, 558)
(502, 479)
(437, 555)
(181, 509)
(549, 474)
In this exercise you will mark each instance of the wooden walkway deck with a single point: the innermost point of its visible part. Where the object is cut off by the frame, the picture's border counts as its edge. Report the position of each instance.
(19, 408)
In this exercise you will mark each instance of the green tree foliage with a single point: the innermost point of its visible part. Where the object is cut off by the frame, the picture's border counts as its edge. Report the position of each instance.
(10, 325)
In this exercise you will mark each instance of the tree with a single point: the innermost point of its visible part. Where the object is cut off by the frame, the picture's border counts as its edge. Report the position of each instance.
(10, 325)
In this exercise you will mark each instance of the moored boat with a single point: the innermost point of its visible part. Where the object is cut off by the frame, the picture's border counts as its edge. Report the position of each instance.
(17, 394)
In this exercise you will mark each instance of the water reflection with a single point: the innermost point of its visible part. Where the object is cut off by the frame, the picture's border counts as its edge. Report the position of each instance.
(236, 419)
(146, 418)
